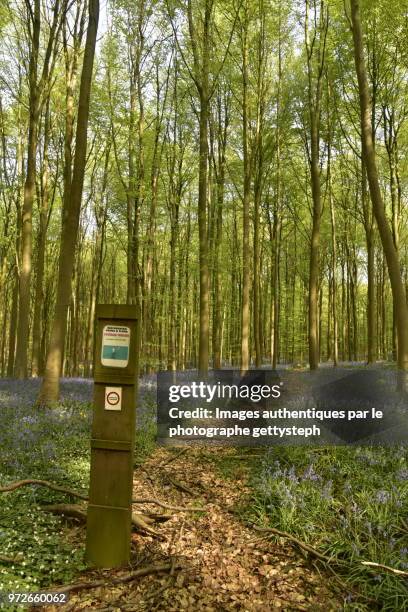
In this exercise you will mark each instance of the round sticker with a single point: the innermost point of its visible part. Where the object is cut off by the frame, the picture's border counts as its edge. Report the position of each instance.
(113, 398)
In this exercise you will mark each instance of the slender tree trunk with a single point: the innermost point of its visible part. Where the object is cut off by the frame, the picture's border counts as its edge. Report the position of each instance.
(37, 89)
(220, 178)
(29, 194)
(258, 185)
(369, 234)
(276, 286)
(16, 267)
(201, 57)
(218, 276)
(276, 234)
(171, 355)
(315, 72)
(391, 254)
(202, 229)
(334, 281)
(131, 199)
(70, 220)
(245, 317)
(41, 247)
(314, 252)
(150, 238)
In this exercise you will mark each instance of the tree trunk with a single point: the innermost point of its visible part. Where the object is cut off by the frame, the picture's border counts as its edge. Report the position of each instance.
(369, 233)
(37, 89)
(220, 165)
(41, 247)
(202, 230)
(70, 220)
(315, 74)
(245, 317)
(391, 254)
(29, 194)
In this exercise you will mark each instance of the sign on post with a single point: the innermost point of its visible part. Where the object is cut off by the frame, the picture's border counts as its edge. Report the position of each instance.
(115, 346)
(109, 514)
(113, 398)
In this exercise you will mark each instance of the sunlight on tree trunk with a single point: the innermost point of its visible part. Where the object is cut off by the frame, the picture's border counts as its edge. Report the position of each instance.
(391, 253)
(49, 392)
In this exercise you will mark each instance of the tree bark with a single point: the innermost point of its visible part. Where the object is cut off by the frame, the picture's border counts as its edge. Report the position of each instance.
(315, 75)
(70, 220)
(245, 317)
(369, 233)
(391, 253)
(45, 204)
(219, 164)
(29, 194)
(37, 88)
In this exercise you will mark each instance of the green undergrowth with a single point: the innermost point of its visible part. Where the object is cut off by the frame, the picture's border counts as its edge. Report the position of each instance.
(349, 503)
(53, 445)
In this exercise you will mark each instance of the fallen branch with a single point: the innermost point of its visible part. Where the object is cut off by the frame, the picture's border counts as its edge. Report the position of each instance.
(151, 569)
(386, 568)
(325, 558)
(156, 594)
(174, 457)
(16, 559)
(347, 587)
(139, 520)
(180, 485)
(72, 510)
(42, 483)
(156, 518)
(79, 512)
(151, 500)
(242, 457)
(303, 545)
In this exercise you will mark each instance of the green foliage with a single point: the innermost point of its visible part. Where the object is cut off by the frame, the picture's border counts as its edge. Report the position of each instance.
(40, 543)
(35, 444)
(348, 503)
(54, 445)
(146, 428)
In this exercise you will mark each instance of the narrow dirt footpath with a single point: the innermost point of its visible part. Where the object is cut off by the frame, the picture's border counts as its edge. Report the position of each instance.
(217, 562)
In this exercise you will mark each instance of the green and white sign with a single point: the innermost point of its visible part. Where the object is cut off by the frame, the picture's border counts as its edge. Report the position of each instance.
(115, 346)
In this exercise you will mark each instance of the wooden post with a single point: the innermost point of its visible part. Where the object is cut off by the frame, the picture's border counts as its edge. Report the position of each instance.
(113, 429)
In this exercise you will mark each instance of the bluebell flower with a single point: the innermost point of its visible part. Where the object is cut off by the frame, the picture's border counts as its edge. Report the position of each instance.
(383, 496)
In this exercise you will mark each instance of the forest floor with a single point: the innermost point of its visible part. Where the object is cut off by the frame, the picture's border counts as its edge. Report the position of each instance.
(219, 563)
(349, 503)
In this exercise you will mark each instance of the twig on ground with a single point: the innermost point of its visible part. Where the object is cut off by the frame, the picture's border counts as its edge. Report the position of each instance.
(154, 517)
(329, 561)
(303, 545)
(139, 521)
(152, 500)
(155, 595)
(243, 457)
(145, 571)
(42, 483)
(174, 457)
(16, 559)
(180, 485)
(147, 474)
(386, 568)
(72, 510)
(78, 512)
(347, 587)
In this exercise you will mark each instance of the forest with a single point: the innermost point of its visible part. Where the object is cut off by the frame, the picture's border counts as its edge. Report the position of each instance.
(223, 185)
(237, 170)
